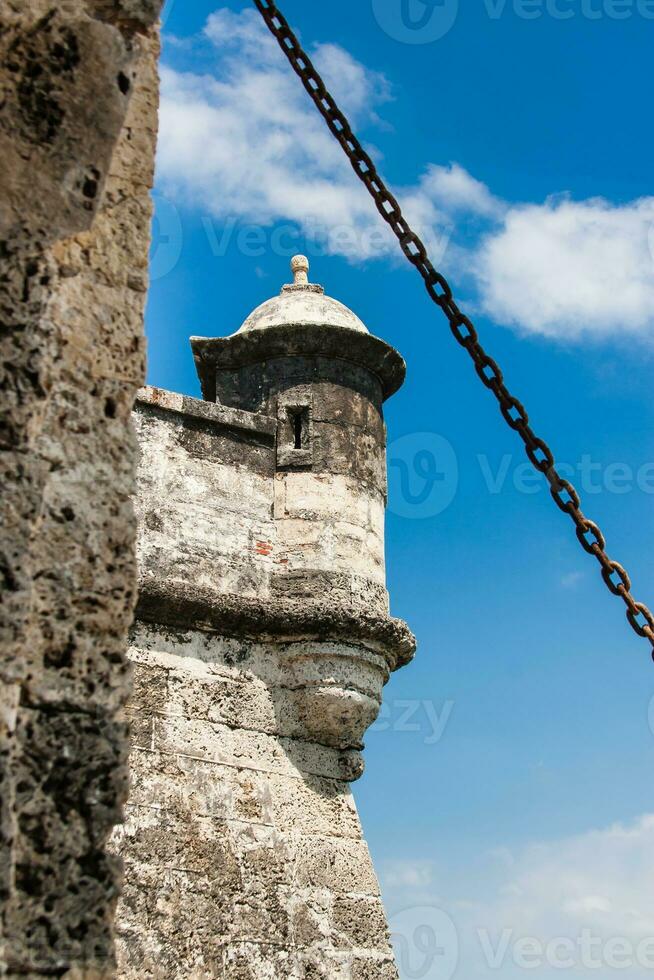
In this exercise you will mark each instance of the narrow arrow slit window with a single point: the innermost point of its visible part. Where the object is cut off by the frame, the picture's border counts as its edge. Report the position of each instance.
(298, 427)
(294, 435)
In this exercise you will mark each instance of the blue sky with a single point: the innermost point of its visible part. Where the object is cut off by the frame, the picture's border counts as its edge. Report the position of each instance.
(508, 782)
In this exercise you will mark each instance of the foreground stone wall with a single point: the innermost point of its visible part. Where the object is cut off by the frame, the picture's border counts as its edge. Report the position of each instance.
(78, 93)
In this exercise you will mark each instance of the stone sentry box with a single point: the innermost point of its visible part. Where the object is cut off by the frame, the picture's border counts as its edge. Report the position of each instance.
(262, 643)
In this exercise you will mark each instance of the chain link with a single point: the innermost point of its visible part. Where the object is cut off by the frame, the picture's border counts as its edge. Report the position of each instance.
(540, 455)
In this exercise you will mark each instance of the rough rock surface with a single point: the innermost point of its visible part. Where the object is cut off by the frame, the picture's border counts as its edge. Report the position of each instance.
(78, 93)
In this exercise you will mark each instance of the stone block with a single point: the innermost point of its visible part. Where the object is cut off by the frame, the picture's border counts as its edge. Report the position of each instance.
(359, 922)
(341, 866)
(180, 786)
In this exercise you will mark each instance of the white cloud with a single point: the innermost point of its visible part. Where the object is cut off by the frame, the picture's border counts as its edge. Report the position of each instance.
(568, 268)
(458, 191)
(408, 874)
(546, 896)
(246, 142)
(571, 579)
(601, 880)
(243, 142)
(354, 87)
(227, 29)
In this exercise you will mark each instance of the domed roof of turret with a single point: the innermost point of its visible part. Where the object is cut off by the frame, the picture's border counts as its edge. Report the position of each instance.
(300, 322)
(302, 304)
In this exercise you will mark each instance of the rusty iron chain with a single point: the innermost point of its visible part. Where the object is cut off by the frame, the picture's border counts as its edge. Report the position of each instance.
(540, 455)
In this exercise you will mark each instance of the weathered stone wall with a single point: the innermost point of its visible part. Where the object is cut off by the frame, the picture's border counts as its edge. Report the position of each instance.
(329, 505)
(205, 495)
(257, 674)
(78, 92)
(245, 857)
(216, 505)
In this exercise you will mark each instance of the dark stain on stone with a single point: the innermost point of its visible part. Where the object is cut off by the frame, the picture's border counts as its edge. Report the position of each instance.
(153, 521)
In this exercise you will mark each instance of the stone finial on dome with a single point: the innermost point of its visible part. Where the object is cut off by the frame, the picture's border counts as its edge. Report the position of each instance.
(300, 270)
(301, 284)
